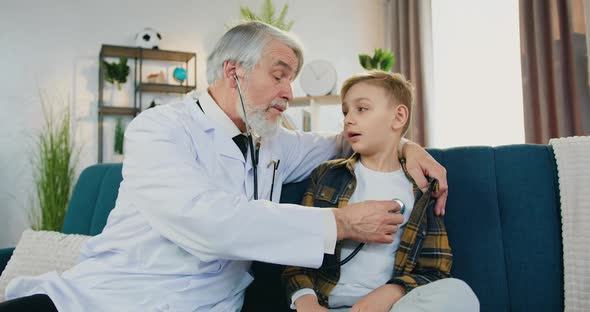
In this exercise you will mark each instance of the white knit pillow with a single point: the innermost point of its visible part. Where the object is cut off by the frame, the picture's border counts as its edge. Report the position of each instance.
(40, 252)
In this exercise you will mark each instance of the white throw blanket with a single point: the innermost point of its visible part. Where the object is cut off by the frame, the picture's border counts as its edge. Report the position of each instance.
(573, 165)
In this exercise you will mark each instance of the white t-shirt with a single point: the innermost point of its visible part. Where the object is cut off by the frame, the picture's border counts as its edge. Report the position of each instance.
(373, 266)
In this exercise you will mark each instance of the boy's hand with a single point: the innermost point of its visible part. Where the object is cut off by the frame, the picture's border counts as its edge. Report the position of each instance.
(420, 165)
(309, 303)
(368, 221)
(380, 299)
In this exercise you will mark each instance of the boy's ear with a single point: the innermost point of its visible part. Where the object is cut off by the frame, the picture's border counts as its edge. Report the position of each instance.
(400, 118)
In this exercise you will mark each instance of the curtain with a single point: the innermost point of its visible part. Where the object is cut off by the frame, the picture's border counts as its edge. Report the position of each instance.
(404, 33)
(554, 69)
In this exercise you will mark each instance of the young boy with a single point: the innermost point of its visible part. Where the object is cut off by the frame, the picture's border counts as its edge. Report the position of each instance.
(381, 277)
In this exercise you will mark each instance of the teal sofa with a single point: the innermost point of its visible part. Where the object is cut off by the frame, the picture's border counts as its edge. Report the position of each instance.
(503, 221)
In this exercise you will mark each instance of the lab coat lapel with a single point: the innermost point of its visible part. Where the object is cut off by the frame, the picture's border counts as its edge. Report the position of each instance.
(225, 146)
(222, 142)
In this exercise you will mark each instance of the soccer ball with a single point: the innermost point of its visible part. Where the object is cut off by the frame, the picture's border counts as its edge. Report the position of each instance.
(148, 38)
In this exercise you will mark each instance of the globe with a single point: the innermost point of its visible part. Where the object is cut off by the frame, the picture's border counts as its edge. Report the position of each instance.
(179, 74)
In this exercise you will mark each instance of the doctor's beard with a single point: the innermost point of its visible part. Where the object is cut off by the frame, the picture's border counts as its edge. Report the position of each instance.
(258, 120)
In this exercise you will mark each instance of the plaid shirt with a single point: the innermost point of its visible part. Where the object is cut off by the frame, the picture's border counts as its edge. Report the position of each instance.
(424, 254)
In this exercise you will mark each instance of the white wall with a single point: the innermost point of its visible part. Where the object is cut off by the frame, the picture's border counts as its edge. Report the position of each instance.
(53, 46)
(477, 82)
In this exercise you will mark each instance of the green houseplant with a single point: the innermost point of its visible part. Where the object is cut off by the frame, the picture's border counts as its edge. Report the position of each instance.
(119, 135)
(116, 73)
(267, 15)
(53, 171)
(381, 59)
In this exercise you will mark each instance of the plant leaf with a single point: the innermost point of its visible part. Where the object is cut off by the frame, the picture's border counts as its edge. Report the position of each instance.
(365, 61)
(268, 12)
(374, 63)
(378, 54)
(267, 15)
(248, 15)
(386, 63)
(53, 170)
(282, 17)
(289, 25)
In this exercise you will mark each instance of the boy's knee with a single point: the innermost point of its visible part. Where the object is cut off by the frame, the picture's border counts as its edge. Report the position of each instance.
(459, 290)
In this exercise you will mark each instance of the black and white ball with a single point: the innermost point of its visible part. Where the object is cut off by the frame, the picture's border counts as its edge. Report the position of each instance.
(148, 38)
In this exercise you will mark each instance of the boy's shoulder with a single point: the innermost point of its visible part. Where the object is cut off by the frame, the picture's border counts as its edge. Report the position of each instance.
(331, 167)
(333, 164)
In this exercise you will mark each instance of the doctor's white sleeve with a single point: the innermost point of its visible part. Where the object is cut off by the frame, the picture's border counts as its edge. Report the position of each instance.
(173, 191)
(305, 151)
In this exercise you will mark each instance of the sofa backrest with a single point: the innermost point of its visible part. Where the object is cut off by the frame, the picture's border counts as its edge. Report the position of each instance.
(504, 225)
(93, 199)
(502, 218)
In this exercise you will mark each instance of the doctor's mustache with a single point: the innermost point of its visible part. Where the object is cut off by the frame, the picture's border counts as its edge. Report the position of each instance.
(281, 105)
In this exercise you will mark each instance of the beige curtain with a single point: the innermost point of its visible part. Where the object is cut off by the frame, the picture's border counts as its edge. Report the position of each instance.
(403, 37)
(554, 69)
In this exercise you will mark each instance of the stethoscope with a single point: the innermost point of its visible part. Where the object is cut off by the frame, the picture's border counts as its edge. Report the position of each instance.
(253, 154)
(433, 186)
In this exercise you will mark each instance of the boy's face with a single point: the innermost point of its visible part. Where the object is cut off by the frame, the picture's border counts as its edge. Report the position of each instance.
(370, 123)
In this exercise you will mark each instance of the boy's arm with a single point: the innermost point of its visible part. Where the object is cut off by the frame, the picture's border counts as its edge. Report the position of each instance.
(299, 280)
(435, 259)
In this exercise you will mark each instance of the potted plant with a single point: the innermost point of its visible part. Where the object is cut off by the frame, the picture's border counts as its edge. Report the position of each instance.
(119, 136)
(267, 15)
(116, 73)
(381, 60)
(54, 165)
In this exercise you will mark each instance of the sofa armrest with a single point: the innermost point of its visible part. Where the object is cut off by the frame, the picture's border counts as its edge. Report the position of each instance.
(5, 255)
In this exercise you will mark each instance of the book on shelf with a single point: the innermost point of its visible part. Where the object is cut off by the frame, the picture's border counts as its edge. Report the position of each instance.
(306, 120)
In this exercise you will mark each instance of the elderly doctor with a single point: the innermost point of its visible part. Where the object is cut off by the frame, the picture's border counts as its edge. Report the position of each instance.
(186, 226)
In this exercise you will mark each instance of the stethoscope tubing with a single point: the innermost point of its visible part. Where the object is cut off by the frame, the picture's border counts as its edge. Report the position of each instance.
(250, 140)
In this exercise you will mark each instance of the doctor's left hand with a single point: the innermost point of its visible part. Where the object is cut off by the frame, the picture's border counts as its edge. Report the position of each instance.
(421, 165)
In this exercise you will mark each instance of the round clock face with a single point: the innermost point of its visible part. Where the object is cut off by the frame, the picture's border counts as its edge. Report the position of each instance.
(318, 78)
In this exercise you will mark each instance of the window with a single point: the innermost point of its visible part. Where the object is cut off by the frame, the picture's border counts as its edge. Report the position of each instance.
(477, 87)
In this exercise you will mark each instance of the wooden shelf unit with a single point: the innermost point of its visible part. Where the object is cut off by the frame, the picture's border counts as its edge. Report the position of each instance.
(308, 100)
(139, 55)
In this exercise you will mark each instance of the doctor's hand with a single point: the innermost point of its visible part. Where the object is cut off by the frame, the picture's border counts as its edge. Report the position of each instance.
(368, 221)
(421, 165)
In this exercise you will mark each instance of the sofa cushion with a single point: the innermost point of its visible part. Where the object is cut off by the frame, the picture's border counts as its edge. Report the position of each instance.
(5, 255)
(39, 252)
(528, 194)
(93, 199)
(504, 225)
(473, 224)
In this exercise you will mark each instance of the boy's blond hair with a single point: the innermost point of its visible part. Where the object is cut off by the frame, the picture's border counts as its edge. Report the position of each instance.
(395, 85)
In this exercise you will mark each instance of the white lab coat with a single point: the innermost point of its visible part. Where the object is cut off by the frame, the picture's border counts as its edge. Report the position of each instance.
(185, 228)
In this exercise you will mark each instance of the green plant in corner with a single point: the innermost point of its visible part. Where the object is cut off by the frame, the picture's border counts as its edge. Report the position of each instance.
(382, 60)
(267, 15)
(53, 171)
(119, 135)
(116, 73)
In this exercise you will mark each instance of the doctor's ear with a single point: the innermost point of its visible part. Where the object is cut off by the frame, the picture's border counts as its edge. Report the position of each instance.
(400, 118)
(231, 70)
